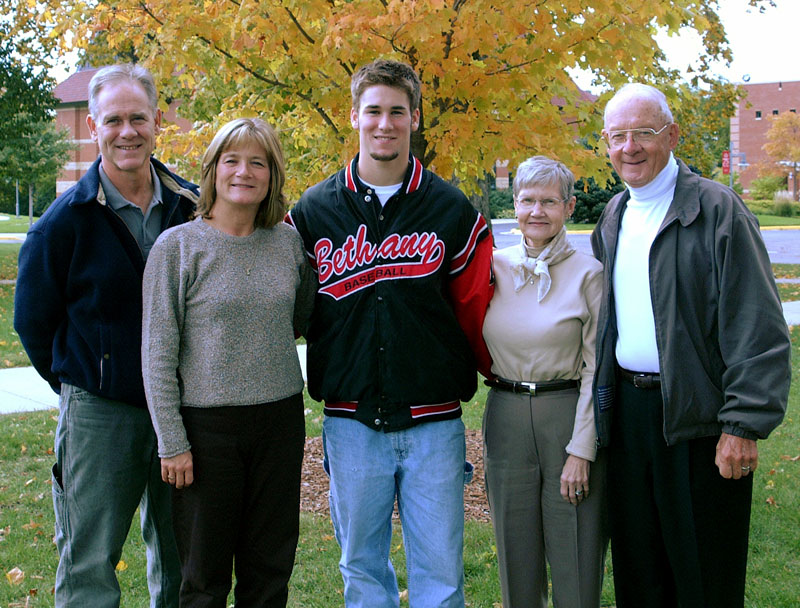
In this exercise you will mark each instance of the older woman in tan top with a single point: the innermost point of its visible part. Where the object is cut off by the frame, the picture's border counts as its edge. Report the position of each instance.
(544, 480)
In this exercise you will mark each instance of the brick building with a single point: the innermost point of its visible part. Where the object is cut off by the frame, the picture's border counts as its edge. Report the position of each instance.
(750, 123)
(71, 112)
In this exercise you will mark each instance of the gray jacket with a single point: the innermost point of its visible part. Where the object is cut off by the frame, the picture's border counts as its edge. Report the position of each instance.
(723, 344)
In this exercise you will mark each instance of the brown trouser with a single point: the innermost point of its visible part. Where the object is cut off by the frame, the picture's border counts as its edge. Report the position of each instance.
(524, 440)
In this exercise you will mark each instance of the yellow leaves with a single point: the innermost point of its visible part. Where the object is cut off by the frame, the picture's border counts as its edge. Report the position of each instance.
(490, 70)
(121, 566)
(15, 576)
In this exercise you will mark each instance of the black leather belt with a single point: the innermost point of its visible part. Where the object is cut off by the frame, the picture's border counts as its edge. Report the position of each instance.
(531, 388)
(641, 379)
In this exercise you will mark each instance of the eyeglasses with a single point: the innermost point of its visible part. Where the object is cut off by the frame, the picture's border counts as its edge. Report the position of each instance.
(644, 135)
(546, 203)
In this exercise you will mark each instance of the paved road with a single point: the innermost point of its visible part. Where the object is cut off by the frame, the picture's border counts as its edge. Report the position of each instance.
(783, 245)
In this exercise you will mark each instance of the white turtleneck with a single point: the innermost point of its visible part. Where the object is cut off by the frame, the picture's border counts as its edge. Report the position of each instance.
(636, 348)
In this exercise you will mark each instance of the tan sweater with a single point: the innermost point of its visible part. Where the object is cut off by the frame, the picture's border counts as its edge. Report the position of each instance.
(219, 319)
(549, 340)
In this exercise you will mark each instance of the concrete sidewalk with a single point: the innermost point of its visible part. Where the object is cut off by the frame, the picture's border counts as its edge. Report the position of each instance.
(23, 390)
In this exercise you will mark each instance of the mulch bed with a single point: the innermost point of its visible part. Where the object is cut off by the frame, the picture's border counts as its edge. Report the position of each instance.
(314, 484)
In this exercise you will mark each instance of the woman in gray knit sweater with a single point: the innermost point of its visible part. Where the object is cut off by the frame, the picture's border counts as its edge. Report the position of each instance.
(223, 297)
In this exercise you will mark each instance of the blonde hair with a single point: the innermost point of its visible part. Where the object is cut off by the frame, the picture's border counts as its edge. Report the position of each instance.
(238, 133)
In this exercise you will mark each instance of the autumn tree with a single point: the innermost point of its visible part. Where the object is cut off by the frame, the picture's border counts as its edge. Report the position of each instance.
(495, 74)
(783, 146)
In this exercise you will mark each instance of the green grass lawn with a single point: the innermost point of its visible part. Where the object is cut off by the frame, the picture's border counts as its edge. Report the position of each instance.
(26, 514)
(11, 223)
(26, 524)
(777, 220)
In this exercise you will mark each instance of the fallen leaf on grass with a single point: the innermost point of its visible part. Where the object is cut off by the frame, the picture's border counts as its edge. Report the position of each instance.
(32, 525)
(792, 459)
(121, 566)
(15, 576)
(771, 501)
(23, 449)
(404, 595)
(30, 481)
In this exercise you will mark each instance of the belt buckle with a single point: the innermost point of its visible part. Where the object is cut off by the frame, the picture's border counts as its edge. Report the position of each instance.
(530, 386)
(642, 381)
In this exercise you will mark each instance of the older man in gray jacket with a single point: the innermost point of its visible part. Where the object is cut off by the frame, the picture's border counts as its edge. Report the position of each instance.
(693, 366)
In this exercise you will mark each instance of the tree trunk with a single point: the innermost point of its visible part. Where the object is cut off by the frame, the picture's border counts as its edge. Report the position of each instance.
(30, 205)
(481, 202)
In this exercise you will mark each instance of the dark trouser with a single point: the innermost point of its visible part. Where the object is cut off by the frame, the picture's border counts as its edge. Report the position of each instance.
(679, 530)
(244, 504)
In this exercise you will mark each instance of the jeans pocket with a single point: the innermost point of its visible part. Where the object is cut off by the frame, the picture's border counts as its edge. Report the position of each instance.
(469, 470)
(59, 502)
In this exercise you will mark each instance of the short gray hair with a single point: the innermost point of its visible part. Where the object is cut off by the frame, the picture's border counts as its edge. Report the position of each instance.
(637, 90)
(123, 71)
(543, 171)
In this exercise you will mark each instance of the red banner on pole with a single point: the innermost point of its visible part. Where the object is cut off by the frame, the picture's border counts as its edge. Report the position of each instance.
(726, 162)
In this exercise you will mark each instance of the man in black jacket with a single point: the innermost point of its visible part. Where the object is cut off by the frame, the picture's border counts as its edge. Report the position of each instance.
(78, 313)
(403, 263)
(693, 366)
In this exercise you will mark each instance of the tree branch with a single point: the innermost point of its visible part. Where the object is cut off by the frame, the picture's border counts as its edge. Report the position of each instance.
(272, 82)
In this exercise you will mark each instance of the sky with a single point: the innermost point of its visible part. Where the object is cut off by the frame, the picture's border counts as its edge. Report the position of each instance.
(764, 45)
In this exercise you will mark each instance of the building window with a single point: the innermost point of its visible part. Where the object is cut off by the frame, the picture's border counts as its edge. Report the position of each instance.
(758, 114)
(774, 112)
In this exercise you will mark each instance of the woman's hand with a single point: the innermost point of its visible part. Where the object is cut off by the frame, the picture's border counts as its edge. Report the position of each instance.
(177, 471)
(575, 479)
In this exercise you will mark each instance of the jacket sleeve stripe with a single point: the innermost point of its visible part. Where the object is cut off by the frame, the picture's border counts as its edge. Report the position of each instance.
(462, 258)
(416, 175)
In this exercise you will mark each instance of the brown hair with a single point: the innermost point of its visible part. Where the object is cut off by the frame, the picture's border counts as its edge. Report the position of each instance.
(390, 73)
(241, 132)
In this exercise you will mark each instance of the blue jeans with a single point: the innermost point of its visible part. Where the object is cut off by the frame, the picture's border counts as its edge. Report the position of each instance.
(423, 467)
(107, 464)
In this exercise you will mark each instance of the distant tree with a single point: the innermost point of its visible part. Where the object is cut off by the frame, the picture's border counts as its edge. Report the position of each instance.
(592, 198)
(766, 185)
(704, 118)
(34, 156)
(783, 145)
(25, 93)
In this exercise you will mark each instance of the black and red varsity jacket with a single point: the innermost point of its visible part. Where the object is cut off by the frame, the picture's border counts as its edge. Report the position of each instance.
(395, 337)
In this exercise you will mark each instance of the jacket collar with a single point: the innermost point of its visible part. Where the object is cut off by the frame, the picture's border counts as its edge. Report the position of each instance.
(411, 181)
(685, 207)
(686, 201)
(88, 188)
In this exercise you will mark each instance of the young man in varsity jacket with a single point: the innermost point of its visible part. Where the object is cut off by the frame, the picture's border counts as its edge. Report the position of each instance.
(403, 262)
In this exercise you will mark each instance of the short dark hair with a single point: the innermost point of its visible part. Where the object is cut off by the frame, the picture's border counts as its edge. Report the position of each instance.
(241, 132)
(391, 74)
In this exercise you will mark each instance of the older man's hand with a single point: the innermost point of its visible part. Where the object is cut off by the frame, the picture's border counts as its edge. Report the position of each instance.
(736, 456)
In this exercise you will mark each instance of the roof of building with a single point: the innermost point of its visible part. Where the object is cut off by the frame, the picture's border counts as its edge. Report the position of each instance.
(75, 88)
